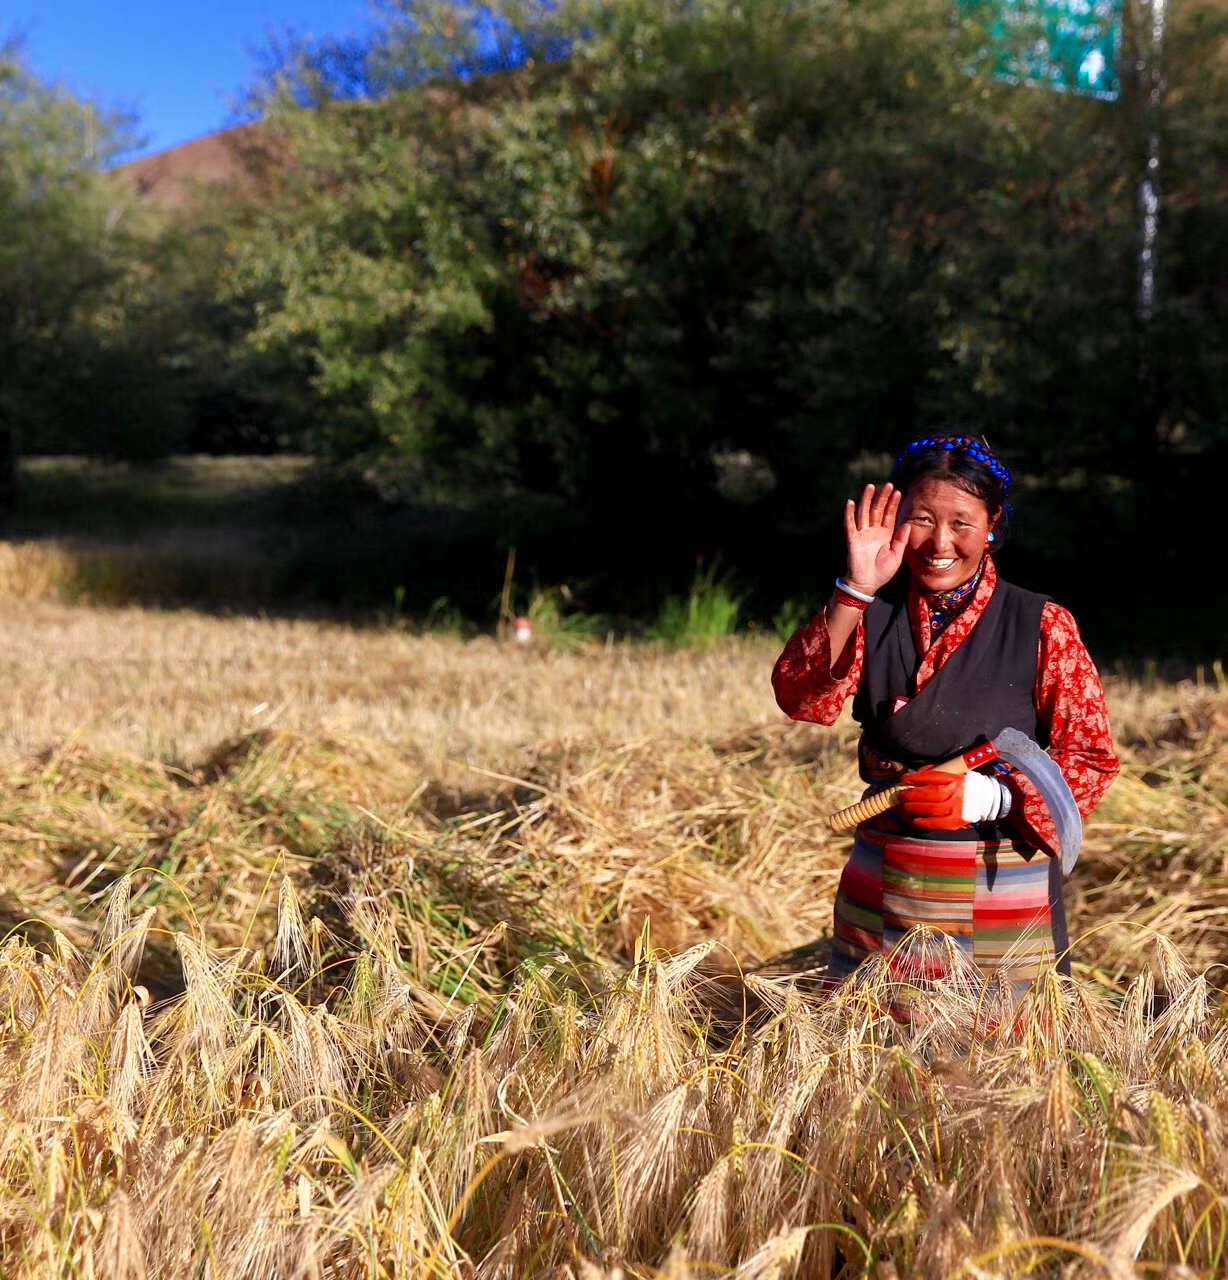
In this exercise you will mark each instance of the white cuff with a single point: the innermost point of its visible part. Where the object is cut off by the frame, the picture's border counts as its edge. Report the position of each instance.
(985, 799)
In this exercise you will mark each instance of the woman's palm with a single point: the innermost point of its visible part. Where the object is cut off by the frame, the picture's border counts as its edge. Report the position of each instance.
(875, 544)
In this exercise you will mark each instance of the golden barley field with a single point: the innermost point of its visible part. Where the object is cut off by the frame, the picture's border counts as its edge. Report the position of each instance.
(332, 953)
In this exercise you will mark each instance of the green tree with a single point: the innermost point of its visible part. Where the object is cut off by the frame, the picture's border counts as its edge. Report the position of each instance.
(797, 229)
(75, 375)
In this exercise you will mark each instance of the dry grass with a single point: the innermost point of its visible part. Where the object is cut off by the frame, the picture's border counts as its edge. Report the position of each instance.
(317, 1002)
(188, 564)
(171, 685)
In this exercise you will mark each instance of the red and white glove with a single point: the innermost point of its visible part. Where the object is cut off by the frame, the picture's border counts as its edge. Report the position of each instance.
(940, 801)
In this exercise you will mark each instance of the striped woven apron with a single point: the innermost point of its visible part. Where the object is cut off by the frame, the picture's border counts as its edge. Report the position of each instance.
(999, 901)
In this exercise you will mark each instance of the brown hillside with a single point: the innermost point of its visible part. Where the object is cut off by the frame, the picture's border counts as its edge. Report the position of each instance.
(236, 159)
(175, 179)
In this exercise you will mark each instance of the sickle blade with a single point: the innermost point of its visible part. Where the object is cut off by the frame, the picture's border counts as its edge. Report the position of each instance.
(1019, 751)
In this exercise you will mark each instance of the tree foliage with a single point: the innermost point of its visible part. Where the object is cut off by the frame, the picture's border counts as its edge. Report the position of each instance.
(795, 227)
(604, 251)
(78, 367)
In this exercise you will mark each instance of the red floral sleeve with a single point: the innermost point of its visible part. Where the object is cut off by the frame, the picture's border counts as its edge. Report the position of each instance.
(1070, 703)
(808, 685)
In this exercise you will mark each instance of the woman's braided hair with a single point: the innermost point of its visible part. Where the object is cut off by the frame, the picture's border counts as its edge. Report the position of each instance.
(966, 461)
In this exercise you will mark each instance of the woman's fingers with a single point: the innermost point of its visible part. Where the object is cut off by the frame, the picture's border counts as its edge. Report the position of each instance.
(882, 503)
(877, 507)
(876, 545)
(899, 539)
(877, 511)
(863, 508)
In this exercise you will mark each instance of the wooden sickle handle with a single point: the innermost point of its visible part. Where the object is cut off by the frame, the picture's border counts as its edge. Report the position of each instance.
(866, 809)
(881, 801)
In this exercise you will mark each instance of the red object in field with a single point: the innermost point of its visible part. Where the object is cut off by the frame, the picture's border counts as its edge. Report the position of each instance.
(522, 630)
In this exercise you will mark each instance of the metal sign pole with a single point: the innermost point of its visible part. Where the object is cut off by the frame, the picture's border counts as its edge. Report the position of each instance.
(1151, 76)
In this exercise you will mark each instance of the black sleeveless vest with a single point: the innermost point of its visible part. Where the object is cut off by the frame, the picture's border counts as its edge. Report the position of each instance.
(987, 684)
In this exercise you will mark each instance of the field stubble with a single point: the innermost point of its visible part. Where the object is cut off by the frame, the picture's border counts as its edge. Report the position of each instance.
(353, 954)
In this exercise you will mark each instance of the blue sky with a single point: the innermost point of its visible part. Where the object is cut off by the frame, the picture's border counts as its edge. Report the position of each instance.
(178, 63)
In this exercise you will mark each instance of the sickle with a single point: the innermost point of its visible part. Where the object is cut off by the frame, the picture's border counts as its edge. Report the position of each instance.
(1021, 753)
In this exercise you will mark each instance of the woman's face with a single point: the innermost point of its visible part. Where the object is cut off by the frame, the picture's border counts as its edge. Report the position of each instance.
(948, 531)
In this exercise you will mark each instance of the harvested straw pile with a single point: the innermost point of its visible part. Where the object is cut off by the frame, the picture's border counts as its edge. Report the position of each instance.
(312, 1009)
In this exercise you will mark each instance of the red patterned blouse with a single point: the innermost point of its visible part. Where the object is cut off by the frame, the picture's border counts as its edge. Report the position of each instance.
(1070, 700)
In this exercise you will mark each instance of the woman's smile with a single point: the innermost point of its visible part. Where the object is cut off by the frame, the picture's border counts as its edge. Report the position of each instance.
(948, 531)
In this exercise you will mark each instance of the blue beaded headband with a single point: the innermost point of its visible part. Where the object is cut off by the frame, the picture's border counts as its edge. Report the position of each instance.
(974, 449)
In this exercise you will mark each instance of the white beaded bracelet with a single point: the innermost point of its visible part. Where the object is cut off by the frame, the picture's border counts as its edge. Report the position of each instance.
(852, 591)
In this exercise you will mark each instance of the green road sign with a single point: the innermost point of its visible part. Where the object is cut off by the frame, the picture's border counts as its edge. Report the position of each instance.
(1072, 46)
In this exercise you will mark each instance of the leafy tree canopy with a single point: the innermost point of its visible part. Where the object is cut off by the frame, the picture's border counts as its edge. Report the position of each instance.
(798, 228)
(74, 372)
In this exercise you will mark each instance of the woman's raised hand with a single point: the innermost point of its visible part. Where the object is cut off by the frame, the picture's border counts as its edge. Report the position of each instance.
(876, 546)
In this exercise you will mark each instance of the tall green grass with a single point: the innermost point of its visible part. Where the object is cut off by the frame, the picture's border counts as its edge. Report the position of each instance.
(558, 623)
(791, 615)
(708, 613)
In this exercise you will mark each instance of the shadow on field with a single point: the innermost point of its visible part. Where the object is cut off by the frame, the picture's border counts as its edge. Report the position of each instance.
(728, 1002)
(159, 970)
(282, 536)
(16, 923)
(261, 536)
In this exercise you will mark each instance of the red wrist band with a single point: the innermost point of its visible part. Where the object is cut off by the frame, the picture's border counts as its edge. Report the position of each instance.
(843, 597)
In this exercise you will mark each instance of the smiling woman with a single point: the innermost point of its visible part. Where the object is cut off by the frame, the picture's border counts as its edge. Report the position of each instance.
(940, 655)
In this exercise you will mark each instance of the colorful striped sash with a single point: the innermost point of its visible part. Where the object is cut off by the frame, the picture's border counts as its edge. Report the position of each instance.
(997, 900)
